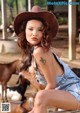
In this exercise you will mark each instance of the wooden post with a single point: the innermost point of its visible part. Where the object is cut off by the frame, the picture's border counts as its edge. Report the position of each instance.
(30, 4)
(26, 2)
(72, 30)
(4, 19)
(17, 8)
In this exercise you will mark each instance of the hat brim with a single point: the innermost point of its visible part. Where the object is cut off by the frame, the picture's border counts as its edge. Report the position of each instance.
(46, 16)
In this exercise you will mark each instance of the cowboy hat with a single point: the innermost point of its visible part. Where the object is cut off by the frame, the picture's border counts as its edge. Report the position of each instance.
(36, 12)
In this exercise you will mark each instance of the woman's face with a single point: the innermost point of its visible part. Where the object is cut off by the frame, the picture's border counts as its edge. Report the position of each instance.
(34, 31)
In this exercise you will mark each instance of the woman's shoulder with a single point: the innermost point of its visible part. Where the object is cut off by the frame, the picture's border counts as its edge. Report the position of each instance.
(38, 51)
(38, 54)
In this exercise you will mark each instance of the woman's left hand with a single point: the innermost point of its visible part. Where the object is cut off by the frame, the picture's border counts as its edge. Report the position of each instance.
(32, 79)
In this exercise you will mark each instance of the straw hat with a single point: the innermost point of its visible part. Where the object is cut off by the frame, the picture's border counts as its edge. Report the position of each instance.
(36, 12)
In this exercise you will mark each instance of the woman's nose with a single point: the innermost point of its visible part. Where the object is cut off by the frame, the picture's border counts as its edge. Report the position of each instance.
(34, 32)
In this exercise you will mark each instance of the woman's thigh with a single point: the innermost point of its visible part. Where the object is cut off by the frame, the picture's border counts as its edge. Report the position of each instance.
(60, 99)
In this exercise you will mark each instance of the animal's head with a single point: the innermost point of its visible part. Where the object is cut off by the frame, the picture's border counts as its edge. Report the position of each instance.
(23, 81)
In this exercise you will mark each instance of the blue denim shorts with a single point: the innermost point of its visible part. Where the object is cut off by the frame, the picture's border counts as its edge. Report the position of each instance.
(70, 83)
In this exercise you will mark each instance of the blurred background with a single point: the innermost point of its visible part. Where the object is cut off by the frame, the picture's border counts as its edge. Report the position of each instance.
(68, 36)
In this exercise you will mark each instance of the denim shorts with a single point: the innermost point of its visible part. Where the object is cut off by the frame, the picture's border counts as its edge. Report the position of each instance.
(70, 83)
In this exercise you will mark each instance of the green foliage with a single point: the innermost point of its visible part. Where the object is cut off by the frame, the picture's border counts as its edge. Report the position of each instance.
(0, 4)
(42, 3)
(11, 3)
(63, 20)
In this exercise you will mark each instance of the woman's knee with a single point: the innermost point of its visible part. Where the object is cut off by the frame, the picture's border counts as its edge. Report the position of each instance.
(41, 98)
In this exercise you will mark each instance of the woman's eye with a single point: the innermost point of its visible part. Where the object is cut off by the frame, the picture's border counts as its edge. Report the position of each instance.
(41, 30)
(30, 29)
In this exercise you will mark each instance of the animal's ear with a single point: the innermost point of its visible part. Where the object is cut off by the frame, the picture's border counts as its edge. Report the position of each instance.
(22, 78)
(19, 79)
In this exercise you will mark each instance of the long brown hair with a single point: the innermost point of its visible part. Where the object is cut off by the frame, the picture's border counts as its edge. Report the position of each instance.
(24, 45)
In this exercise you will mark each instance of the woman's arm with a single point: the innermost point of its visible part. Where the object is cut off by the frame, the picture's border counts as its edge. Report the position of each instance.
(46, 65)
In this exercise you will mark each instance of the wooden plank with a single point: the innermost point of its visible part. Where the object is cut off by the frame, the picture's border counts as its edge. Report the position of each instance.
(72, 30)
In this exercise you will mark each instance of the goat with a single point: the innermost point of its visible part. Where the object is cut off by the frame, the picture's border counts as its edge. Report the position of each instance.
(22, 106)
(17, 92)
(6, 71)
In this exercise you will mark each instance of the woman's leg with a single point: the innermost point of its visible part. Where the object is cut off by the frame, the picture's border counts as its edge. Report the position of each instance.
(56, 98)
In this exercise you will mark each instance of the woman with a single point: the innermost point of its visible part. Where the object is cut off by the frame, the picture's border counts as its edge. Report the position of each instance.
(35, 31)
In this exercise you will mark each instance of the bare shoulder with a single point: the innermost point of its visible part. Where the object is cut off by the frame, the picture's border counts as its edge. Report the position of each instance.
(40, 55)
(38, 51)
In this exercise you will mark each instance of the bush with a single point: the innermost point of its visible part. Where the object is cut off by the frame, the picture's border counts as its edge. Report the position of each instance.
(63, 20)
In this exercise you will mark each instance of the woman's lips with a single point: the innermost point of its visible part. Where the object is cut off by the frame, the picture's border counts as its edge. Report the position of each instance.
(34, 38)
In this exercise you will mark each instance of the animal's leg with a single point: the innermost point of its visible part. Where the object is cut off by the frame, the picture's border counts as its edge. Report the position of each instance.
(2, 93)
(5, 89)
